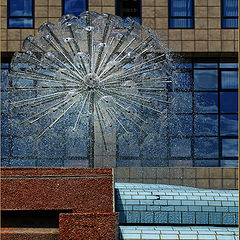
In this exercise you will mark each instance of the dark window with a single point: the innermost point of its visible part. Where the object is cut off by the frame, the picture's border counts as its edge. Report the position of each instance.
(129, 8)
(229, 13)
(75, 7)
(20, 13)
(181, 14)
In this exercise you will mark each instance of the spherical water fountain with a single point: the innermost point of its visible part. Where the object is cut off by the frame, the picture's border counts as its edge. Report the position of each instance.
(92, 66)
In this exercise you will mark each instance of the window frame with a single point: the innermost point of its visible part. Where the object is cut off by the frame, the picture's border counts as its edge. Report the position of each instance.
(180, 17)
(227, 17)
(20, 17)
(63, 7)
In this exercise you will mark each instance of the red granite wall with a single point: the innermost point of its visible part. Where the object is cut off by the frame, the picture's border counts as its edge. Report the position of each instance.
(82, 190)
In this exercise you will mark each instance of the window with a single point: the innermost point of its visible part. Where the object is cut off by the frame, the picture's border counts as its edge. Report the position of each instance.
(129, 8)
(75, 7)
(20, 13)
(202, 125)
(181, 14)
(229, 13)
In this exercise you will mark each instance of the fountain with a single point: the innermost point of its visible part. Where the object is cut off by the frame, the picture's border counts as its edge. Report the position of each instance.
(94, 66)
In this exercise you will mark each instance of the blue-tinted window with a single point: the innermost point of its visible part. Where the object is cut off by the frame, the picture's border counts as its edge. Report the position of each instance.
(129, 8)
(228, 102)
(205, 80)
(229, 79)
(180, 125)
(229, 13)
(205, 147)
(206, 102)
(182, 81)
(74, 7)
(230, 147)
(228, 125)
(20, 13)
(180, 147)
(206, 125)
(181, 14)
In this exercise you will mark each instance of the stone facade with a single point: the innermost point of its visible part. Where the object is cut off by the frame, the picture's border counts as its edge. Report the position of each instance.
(207, 36)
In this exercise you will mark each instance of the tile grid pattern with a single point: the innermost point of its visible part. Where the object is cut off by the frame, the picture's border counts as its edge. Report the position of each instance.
(149, 203)
(177, 233)
(206, 37)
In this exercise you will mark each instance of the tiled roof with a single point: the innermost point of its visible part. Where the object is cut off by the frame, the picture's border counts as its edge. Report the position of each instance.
(167, 204)
(178, 232)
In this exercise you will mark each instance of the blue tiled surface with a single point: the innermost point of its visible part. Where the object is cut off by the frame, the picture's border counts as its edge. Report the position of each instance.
(178, 232)
(168, 204)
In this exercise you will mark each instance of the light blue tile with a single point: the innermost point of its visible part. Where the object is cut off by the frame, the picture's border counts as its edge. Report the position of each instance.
(229, 219)
(208, 209)
(147, 202)
(167, 208)
(214, 203)
(207, 198)
(131, 236)
(174, 217)
(138, 197)
(150, 236)
(201, 203)
(146, 217)
(187, 202)
(181, 208)
(222, 209)
(160, 202)
(221, 198)
(153, 208)
(174, 202)
(188, 218)
(132, 217)
(160, 217)
(228, 204)
(215, 218)
(172, 237)
(132, 202)
(201, 217)
(195, 208)
(139, 207)
(233, 209)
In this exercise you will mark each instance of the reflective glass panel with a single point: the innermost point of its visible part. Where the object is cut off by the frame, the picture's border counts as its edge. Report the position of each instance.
(229, 79)
(228, 65)
(74, 6)
(181, 8)
(205, 147)
(205, 65)
(180, 125)
(228, 102)
(229, 163)
(205, 79)
(20, 23)
(206, 102)
(182, 81)
(182, 102)
(180, 147)
(20, 8)
(206, 163)
(228, 125)
(206, 125)
(181, 23)
(229, 147)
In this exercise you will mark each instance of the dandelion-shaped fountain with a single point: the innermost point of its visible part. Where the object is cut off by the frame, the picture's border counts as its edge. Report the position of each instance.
(95, 66)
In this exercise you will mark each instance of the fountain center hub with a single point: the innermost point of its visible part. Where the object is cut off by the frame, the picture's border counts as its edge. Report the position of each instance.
(91, 80)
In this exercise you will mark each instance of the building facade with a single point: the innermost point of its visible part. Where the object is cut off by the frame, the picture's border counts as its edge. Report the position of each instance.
(198, 146)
